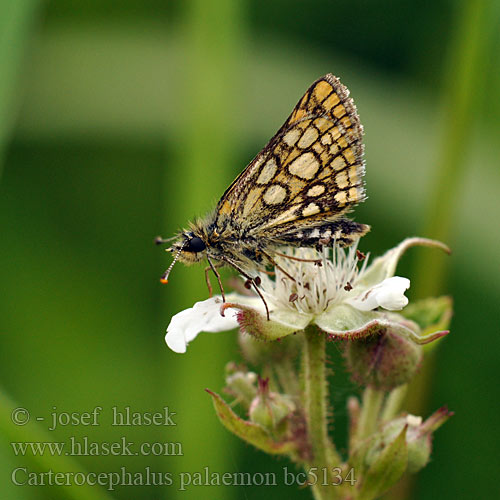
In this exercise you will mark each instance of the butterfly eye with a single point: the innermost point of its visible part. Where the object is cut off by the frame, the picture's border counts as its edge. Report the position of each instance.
(195, 245)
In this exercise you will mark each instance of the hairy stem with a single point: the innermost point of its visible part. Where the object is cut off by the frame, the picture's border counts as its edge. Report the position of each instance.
(372, 402)
(315, 397)
(394, 403)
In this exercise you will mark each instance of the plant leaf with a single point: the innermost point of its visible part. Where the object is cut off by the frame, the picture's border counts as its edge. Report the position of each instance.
(386, 470)
(248, 431)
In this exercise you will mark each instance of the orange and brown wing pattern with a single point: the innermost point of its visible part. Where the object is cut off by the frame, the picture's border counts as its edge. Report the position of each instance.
(311, 169)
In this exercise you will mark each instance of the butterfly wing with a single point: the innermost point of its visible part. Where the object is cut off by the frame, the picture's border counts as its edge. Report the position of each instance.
(309, 174)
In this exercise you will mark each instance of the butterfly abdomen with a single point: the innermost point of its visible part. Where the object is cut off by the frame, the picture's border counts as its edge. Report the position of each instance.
(342, 232)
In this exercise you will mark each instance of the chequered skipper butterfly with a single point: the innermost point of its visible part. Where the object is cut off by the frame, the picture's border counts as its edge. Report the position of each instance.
(294, 193)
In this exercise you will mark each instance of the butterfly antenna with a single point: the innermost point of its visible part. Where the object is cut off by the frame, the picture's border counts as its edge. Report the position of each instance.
(161, 241)
(164, 278)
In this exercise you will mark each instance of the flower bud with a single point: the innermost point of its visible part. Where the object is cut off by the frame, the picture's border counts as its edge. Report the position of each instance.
(240, 383)
(269, 408)
(419, 453)
(418, 438)
(384, 360)
(419, 446)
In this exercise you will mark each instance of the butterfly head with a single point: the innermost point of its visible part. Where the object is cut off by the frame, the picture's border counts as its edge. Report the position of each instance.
(188, 248)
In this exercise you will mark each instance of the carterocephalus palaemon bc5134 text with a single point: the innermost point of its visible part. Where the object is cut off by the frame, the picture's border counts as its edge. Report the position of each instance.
(295, 192)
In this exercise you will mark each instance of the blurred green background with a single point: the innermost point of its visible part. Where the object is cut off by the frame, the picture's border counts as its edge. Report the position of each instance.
(123, 120)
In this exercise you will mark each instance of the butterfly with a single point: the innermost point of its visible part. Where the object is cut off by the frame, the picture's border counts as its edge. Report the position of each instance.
(295, 192)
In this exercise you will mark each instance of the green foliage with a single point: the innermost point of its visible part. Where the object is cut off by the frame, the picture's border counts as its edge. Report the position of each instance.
(250, 432)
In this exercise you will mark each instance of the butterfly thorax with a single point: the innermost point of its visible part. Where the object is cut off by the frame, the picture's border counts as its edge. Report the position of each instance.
(223, 241)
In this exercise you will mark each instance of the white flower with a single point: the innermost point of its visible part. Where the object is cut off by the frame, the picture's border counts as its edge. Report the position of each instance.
(339, 296)
(202, 317)
(317, 289)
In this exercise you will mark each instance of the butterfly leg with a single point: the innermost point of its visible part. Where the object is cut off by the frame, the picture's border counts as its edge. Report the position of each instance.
(291, 257)
(269, 273)
(251, 280)
(298, 259)
(207, 279)
(218, 279)
(277, 266)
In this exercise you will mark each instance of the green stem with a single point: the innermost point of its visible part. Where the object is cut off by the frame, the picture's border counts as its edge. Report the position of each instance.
(372, 402)
(463, 82)
(17, 20)
(394, 403)
(464, 78)
(200, 164)
(354, 410)
(315, 397)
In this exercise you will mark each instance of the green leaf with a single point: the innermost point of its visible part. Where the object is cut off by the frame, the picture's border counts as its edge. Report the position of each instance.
(386, 470)
(250, 432)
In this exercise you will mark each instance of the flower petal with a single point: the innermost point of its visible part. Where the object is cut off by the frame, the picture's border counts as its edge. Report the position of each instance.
(385, 266)
(388, 294)
(204, 316)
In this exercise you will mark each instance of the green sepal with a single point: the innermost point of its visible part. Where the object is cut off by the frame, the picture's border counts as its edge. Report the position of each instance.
(385, 266)
(357, 457)
(387, 468)
(279, 325)
(432, 315)
(250, 432)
